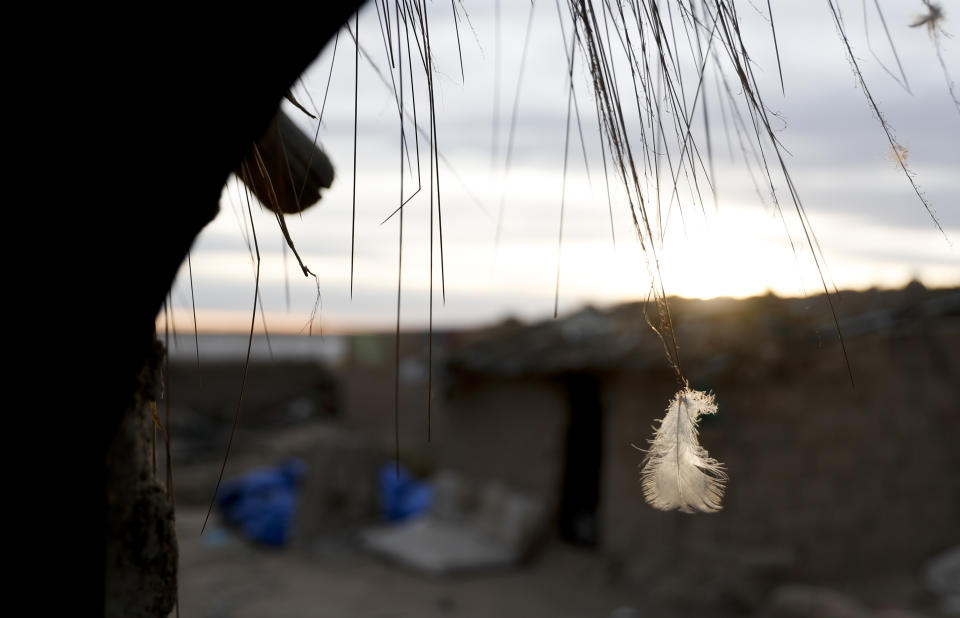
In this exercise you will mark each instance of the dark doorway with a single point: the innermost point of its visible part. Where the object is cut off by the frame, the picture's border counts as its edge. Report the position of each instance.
(580, 499)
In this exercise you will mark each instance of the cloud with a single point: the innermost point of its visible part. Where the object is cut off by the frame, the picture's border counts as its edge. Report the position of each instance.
(861, 206)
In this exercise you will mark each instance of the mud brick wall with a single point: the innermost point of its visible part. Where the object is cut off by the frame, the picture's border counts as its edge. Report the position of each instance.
(845, 478)
(511, 431)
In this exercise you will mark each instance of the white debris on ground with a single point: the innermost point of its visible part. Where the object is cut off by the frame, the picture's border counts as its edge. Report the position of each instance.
(452, 537)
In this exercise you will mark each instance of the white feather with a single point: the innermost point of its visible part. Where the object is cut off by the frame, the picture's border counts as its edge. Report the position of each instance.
(677, 472)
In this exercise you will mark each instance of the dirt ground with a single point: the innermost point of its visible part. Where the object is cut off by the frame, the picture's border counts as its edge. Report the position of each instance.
(221, 575)
(224, 576)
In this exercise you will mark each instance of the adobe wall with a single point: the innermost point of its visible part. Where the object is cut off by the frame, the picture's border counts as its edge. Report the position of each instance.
(487, 429)
(510, 430)
(847, 479)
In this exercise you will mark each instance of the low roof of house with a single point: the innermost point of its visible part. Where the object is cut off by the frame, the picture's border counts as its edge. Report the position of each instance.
(708, 332)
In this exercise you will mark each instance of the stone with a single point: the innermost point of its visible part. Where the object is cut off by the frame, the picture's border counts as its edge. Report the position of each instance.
(796, 601)
(339, 491)
(452, 497)
(941, 575)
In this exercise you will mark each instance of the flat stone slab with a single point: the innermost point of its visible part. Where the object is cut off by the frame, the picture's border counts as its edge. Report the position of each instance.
(438, 547)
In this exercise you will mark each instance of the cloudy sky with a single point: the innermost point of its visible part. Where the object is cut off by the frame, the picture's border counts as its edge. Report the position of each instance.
(872, 229)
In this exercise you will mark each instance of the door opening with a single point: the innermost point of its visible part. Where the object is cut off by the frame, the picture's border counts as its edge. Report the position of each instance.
(580, 498)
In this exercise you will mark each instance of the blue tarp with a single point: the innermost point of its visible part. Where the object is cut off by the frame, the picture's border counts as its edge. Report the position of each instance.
(262, 503)
(401, 495)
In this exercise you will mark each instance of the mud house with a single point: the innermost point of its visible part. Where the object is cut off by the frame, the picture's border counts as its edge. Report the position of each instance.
(825, 476)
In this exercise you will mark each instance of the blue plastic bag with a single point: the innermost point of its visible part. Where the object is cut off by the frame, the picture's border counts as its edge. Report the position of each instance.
(402, 496)
(262, 503)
